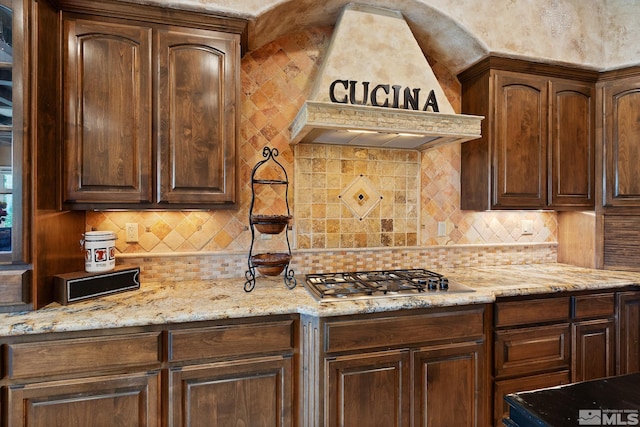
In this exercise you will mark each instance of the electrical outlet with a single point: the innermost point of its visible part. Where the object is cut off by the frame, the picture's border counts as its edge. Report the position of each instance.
(442, 229)
(131, 230)
(526, 226)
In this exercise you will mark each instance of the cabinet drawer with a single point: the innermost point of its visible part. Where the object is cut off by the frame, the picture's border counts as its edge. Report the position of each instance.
(232, 340)
(540, 310)
(598, 305)
(533, 382)
(402, 331)
(77, 355)
(531, 350)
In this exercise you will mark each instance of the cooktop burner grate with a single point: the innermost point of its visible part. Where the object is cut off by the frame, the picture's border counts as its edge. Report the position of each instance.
(381, 283)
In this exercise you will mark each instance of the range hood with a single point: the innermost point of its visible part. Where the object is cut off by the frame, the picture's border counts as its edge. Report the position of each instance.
(375, 88)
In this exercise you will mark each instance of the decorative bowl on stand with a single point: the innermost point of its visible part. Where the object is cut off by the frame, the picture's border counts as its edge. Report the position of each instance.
(270, 264)
(270, 224)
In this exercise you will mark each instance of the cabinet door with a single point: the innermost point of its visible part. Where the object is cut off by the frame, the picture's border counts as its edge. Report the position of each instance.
(533, 382)
(593, 350)
(449, 386)
(572, 145)
(198, 75)
(107, 111)
(113, 401)
(628, 333)
(369, 390)
(622, 150)
(519, 173)
(241, 393)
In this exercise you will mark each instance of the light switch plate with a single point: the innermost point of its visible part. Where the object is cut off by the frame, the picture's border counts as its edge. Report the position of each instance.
(527, 227)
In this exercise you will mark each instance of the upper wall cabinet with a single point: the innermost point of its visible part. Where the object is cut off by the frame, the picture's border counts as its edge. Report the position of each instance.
(107, 109)
(537, 145)
(150, 110)
(620, 93)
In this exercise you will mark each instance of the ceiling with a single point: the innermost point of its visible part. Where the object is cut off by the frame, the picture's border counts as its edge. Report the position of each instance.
(597, 34)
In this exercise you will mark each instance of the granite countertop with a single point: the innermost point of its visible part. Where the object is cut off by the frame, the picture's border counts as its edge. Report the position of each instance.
(177, 302)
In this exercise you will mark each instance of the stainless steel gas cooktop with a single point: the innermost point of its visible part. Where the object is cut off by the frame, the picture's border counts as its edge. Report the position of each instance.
(379, 284)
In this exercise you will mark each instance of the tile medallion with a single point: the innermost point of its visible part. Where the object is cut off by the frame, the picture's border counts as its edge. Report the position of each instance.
(360, 196)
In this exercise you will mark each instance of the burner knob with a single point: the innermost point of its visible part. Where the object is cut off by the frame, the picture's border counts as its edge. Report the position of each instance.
(444, 283)
(432, 284)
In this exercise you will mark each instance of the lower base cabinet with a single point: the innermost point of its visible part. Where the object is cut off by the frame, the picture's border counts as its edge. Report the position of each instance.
(215, 374)
(412, 368)
(123, 400)
(532, 382)
(420, 367)
(593, 350)
(369, 389)
(550, 340)
(628, 333)
(448, 385)
(254, 392)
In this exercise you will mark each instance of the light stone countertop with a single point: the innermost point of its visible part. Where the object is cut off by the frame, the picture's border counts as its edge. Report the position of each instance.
(178, 302)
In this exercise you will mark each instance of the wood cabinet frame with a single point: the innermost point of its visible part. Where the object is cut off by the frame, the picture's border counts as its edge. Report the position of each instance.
(526, 128)
(149, 379)
(174, 145)
(397, 349)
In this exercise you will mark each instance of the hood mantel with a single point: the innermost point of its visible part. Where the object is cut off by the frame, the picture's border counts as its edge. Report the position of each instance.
(375, 51)
(330, 123)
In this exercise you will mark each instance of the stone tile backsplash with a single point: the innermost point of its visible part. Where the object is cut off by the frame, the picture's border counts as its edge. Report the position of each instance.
(419, 189)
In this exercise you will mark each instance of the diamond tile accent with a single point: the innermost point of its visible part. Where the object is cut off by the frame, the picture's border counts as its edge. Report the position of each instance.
(360, 196)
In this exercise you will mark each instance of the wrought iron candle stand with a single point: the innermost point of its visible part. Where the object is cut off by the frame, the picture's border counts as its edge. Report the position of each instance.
(269, 264)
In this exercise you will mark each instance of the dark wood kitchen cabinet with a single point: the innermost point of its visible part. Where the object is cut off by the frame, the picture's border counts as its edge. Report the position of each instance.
(80, 380)
(551, 340)
(538, 145)
(197, 112)
(105, 401)
(618, 221)
(593, 336)
(446, 381)
(219, 373)
(370, 389)
(423, 367)
(150, 109)
(628, 332)
(107, 110)
(245, 392)
(620, 109)
(238, 374)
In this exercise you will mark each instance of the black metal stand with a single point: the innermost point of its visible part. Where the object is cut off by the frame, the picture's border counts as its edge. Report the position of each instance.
(269, 264)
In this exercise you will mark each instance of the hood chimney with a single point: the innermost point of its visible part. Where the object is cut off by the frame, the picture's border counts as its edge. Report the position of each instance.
(375, 88)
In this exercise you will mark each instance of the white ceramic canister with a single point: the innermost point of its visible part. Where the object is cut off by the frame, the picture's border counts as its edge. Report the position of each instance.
(99, 251)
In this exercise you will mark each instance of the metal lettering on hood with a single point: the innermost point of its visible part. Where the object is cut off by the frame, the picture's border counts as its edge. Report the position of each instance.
(375, 88)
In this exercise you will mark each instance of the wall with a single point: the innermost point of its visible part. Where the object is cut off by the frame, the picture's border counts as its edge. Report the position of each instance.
(275, 81)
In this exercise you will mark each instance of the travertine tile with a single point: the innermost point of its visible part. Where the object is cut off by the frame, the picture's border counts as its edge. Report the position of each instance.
(419, 189)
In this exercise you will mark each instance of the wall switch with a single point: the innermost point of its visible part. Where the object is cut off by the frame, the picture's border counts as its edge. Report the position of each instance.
(527, 227)
(131, 231)
(442, 229)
